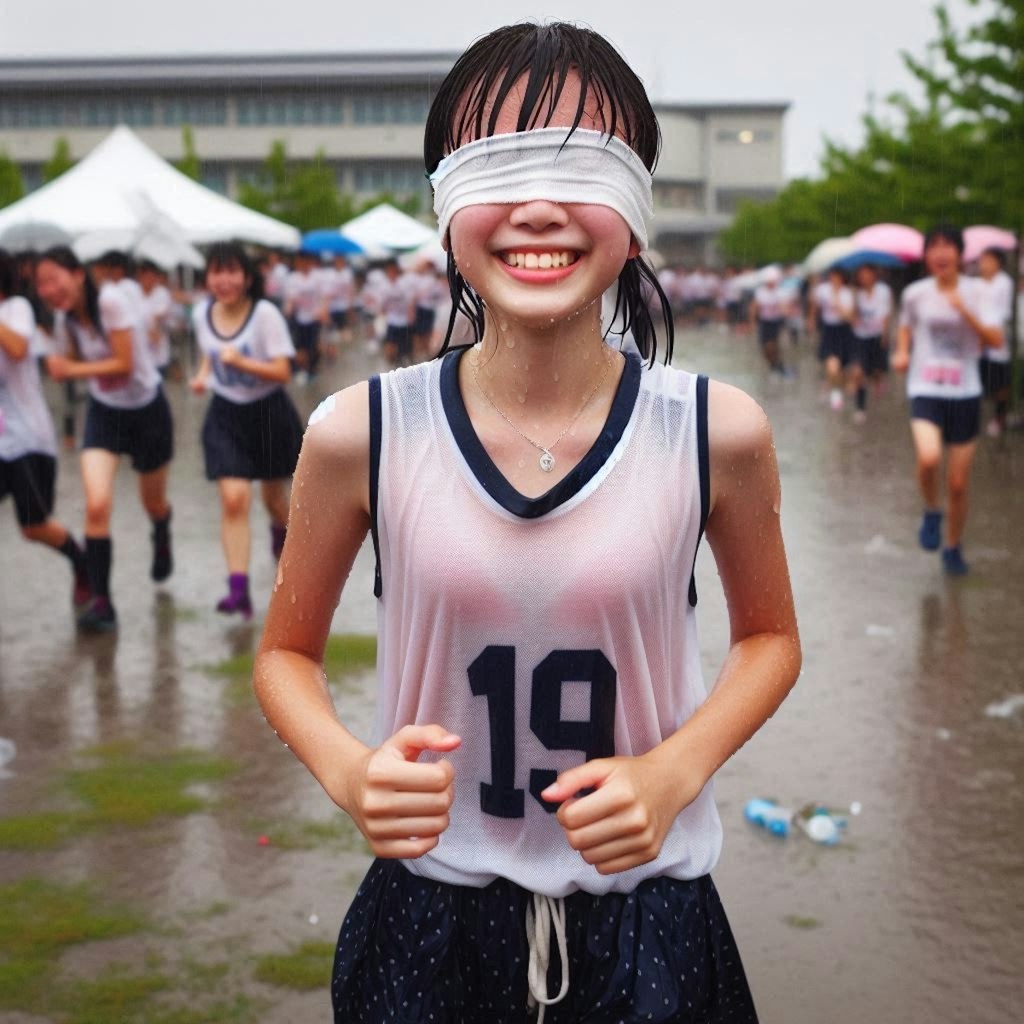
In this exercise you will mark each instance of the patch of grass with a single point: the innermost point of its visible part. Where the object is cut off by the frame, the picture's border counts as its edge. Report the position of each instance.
(306, 968)
(804, 923)
(123, 787)
(344, 654)
(216, 909)
(240, 1008)
(41, 919)
(202, 977)
(339, 832)
(38, 831)
(126, 788)
(114, 995)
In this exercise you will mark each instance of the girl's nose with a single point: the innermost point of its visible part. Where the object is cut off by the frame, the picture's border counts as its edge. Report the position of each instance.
(538, 214)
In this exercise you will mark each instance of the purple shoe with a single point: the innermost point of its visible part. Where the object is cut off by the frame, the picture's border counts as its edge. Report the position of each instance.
(237, 598)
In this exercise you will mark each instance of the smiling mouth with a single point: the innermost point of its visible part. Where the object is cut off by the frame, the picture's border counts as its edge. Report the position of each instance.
(540, 260)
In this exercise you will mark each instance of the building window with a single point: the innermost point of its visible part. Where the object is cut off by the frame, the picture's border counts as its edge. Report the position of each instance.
(391, 108)
(675, 196)
(744, 136)
(389, 176)
(215, 176)
(194, 110)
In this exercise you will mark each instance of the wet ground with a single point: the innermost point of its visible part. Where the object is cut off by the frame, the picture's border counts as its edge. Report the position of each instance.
(232, 855)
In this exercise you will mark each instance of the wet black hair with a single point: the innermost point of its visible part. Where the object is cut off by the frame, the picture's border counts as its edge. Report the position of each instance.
(116, 260)
(8, 275)
(844, 277)
(150, 266)
(467, 106)
(64, 257)
(996, 254)
(948, 233)
(225, 255)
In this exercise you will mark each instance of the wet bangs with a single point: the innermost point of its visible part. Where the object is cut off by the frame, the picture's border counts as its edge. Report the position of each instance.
(471, 98)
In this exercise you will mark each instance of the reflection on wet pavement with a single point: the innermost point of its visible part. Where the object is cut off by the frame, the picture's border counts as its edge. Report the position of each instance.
(916, 916)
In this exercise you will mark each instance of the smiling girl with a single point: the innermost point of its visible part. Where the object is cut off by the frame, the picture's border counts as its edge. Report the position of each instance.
(251, 431)
(127, 414)
(538, 793)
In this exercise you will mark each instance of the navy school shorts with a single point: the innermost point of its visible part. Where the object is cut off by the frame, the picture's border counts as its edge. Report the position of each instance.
(146, 434)
(769, 330)
(959, 419)
(29, 480)
(413, 950)
(835, 343)
(995, 376)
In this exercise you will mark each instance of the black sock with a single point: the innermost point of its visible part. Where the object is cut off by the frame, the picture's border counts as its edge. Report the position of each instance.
(73, 553)
(162, 530)
(98, 556)
(862, 398)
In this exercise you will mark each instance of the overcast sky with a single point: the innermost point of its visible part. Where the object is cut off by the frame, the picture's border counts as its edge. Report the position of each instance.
(825, 57)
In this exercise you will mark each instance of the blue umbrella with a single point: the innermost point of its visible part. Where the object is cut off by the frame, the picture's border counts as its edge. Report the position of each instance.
(329, 240)
(864, 256)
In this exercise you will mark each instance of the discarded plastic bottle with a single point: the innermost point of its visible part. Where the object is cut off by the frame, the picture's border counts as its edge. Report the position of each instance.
(769, 815)
(820, 824)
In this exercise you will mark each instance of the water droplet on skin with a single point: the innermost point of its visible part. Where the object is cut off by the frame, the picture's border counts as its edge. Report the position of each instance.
(522, 399)
(557, 378)
(522, 463)
(280, 576)
(510, 343)
(307, 519)
(293, 597)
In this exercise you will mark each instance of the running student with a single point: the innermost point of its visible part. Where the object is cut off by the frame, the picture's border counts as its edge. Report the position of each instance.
(945, 321)
(832, 302)
(538, 793)
(768, 312)
(872, 311)
(251, 430)
(127, 413)
(28, 446)
(995, 362)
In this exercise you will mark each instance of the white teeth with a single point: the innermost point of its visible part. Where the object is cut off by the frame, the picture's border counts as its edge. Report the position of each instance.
(538, 261)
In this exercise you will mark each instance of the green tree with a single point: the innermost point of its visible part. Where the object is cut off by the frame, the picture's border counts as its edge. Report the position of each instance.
(189, 164)
(12, 187)
(976, 76)
(59, 162)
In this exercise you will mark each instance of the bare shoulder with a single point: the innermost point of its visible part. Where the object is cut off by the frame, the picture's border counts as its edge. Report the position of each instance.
(737, 425)
(335, 457)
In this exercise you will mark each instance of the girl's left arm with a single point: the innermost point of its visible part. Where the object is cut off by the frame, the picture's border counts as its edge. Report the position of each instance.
(278, 370)
(623, 823)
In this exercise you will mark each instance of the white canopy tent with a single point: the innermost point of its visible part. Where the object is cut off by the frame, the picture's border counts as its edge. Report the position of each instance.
(384, 231)
(118, 184)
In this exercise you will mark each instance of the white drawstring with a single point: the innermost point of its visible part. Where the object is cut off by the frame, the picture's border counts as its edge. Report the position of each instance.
(545, 913)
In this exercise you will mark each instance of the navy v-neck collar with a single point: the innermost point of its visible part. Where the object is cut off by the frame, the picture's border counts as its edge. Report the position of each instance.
(492, 479)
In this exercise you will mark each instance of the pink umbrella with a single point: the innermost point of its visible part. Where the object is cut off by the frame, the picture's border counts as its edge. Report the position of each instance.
(895, 239)
(982, 236)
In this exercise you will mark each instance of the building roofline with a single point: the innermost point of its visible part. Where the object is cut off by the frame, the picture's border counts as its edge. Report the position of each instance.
(728, 106)
(215, 68)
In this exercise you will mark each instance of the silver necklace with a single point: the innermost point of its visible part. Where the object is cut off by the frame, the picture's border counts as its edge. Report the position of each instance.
(547, 460)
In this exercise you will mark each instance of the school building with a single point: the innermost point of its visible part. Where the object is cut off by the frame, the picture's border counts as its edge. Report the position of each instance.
(364, 114)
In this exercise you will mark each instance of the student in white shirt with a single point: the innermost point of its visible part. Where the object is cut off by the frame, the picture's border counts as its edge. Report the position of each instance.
(397, 302)
(306, 310)
(28, 446)
(251, 430)
(768, 313)
(159, 306)
(995, 362)
(872, 312)
(946, 320)
(128, 413)
(832, 304)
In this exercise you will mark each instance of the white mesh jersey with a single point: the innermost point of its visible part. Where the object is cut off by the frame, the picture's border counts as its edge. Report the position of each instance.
(544, 632)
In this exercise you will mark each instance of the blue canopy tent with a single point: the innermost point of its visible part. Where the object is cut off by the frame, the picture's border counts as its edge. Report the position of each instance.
(329, 240)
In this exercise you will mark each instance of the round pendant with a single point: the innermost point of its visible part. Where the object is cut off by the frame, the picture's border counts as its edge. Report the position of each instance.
(547, 461)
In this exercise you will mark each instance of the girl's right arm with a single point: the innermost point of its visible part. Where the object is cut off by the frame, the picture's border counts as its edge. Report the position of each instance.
(198, 382)
(401, 806)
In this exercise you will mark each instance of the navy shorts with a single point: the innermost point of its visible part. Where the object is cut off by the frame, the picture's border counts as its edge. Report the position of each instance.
(400, 336)
(307, 336)
(861, 352)
(959, 419)
(413, 950)
(146, 434)
(769, 330)
(339, 318)
(835, 343)
(29, 481)
(424, 323)
(253, 440)
(995, 377)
